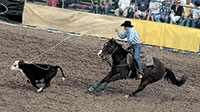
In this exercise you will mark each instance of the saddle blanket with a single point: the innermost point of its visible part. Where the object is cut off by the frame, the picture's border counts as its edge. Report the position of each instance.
(145, 59)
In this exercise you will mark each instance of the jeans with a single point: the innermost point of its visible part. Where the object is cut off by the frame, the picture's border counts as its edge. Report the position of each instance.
(106, 9)
(194, 23)
(137, 50)
(92, 8)
(188, 21)
(182, 21)
(158, 17)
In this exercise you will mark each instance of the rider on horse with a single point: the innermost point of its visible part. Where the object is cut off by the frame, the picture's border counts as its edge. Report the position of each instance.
(133, 40)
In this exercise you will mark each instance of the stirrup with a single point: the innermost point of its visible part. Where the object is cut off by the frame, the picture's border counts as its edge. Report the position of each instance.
(139, 75)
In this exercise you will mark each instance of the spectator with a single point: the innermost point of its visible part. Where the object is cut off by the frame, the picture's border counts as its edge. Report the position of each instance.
(67, 3)
(153, 9)
(116, 3)
(198, 24)
(122, 9)
(176, 13)
(94, 4)
(195, 15)
(183, 2)
(164, 12)
(186, 13)
(105, 5)
(193, 1)
(142, 9)
(131, 9)
(51, 3)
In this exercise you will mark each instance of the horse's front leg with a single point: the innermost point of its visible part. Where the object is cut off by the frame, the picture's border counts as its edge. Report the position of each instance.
(92, 88)
(114, 77)
(103, 87)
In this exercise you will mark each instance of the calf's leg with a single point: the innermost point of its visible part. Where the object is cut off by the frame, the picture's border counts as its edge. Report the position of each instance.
(35, 85)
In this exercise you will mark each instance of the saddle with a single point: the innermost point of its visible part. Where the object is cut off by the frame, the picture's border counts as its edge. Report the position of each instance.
(146, 60)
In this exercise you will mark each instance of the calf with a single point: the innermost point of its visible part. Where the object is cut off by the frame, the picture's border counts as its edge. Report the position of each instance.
(37, 73)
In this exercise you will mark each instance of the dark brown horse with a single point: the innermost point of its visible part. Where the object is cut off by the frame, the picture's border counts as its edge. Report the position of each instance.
(121, 69)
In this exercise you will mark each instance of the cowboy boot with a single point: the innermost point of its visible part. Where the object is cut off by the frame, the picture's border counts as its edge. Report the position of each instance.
(139, 75)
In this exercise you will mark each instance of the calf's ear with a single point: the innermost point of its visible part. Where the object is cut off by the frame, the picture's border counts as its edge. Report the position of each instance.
(21, 62)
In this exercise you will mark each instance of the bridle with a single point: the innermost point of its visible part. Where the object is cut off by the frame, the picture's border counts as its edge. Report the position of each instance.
(109, 55)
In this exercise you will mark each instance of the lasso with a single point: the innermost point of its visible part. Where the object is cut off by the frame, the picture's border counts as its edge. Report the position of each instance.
(30, 61)
(5, 8)
(48, 50)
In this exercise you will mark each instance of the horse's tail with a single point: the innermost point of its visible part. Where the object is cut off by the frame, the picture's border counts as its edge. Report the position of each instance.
(63, 76)
(170, 77)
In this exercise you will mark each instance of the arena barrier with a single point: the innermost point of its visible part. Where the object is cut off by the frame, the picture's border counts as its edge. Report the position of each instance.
(151, 33)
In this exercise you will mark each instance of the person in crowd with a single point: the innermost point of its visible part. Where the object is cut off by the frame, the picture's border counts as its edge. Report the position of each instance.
(154, 7)
(131, 9)
(198, 24)
(195, 15)
(105, 6)
(193, 1)
(94, 4)
(51, 3)
(187, 9)
(122, 9)
(183, 2)
(164, 12)
(66, 3)
(176, 13)
(142, 9)
(116, 4)
(133, 40)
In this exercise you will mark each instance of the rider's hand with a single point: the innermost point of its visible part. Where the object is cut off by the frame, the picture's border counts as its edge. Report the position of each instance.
(116, 30)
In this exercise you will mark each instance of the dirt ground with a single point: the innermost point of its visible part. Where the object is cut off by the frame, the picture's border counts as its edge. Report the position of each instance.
(78, 58)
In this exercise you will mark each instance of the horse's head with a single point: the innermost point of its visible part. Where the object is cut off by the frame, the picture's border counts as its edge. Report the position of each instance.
(109, 48)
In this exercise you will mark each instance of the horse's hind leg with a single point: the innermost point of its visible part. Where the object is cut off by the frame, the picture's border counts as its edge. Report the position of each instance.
(141, 87)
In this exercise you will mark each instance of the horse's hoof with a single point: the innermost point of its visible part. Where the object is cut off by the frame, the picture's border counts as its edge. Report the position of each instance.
(127, 96)
(91, 89)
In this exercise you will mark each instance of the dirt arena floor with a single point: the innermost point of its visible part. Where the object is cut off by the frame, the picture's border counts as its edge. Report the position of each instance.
(78, 58)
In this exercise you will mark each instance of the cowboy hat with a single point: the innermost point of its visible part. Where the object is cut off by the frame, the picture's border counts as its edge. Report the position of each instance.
(127, 23)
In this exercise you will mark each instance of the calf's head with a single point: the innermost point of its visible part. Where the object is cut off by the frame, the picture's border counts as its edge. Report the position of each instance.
(16, 64)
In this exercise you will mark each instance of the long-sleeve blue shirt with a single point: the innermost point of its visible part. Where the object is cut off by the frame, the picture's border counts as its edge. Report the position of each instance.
(131, 35)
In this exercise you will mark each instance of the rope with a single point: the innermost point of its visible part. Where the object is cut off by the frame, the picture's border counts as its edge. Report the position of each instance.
(48, 66)
(5, 10)
(48, 50)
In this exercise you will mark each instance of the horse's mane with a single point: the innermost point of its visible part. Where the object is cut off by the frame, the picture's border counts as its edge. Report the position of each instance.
(117, 43)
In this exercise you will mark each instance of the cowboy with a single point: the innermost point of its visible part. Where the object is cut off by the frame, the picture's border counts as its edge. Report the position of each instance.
(133, 40)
